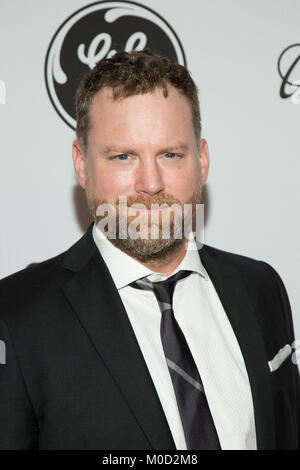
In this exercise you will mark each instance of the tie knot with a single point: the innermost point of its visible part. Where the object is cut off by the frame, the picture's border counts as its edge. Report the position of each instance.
(163, 290)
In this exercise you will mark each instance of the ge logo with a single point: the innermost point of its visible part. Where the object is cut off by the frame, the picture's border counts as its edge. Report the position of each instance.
(96, 32)
(136, 42)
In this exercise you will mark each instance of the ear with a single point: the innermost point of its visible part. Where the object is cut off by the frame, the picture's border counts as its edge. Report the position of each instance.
(79, 161)
(204, 160)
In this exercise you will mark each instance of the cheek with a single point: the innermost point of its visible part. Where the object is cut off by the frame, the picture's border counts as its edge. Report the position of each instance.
(108, 184)
(185, 183)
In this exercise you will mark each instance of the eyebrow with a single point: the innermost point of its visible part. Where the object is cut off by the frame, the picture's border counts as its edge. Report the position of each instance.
(123, 150)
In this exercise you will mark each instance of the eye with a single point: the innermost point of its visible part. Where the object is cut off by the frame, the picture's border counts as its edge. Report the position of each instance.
(122, 157)
(171, 155)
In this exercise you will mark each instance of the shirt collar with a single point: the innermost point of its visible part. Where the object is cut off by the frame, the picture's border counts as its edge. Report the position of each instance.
(131, 269)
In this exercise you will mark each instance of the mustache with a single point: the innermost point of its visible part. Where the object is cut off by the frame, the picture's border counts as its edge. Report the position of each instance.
(147, 201)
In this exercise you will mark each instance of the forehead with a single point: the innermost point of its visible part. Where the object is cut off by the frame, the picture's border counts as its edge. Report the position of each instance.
(153, 102)
(141, 116)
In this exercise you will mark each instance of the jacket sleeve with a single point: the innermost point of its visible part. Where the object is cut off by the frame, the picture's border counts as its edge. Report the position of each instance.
(286, 308)
(18, 422)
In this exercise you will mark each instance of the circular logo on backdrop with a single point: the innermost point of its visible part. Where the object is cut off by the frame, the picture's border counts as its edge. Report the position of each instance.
(96, 32)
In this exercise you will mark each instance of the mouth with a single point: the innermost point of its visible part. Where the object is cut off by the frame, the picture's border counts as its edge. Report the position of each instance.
(148, 210)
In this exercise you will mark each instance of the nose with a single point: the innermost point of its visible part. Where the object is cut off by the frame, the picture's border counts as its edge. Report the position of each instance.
(149, 179)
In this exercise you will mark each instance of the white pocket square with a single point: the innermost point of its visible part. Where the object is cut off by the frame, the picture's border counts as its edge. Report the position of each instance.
(280, 357)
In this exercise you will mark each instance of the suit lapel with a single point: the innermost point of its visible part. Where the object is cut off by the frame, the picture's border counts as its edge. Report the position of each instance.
(242, 317)
(98, 306)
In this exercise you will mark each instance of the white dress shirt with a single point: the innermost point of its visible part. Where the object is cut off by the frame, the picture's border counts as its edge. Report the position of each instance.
(203, 321)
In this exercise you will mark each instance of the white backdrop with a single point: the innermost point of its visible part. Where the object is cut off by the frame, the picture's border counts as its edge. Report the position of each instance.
(232, 48)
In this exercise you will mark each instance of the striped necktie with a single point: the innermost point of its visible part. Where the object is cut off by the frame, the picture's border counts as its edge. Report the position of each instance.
(199, 429)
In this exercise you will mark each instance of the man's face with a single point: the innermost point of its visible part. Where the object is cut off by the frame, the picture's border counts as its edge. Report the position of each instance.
(142, 147)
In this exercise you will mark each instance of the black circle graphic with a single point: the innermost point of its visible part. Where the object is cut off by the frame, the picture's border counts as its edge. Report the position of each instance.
(97, 31)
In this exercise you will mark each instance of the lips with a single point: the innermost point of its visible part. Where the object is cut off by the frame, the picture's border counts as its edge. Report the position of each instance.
(147, 210)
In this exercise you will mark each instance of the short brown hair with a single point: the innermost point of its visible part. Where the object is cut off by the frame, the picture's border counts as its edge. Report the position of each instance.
(133, 73)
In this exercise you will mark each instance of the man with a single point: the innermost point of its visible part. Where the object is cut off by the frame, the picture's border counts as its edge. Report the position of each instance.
(135, 340)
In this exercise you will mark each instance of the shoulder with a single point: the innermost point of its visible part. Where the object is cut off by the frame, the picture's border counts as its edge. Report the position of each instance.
(38, 288)
(264, 285)
(28, 288)
(49, 273)
(32, 277)
(248, 267)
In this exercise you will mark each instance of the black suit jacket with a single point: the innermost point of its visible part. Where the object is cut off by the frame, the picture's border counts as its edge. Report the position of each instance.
(75, 378)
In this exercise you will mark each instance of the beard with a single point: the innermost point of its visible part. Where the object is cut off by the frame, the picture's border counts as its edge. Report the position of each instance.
(168, 228)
